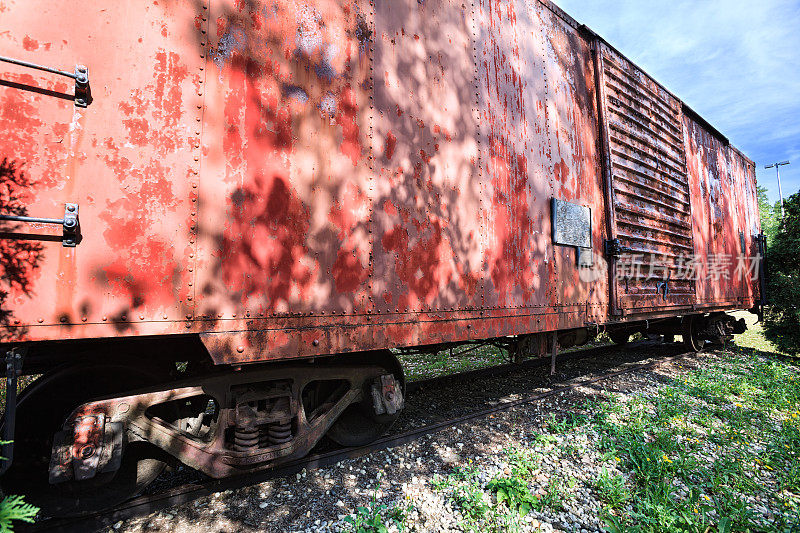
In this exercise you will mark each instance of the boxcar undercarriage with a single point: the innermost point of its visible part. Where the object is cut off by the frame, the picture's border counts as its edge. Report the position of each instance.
(93, 433)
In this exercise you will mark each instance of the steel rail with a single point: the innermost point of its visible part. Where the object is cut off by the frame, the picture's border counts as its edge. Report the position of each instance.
(144, 505)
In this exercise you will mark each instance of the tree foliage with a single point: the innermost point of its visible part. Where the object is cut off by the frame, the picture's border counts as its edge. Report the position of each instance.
(782, 317)
(14, 508)
(770, 214)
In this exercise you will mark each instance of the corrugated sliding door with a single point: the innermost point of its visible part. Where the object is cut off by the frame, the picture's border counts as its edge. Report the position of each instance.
(651, 221)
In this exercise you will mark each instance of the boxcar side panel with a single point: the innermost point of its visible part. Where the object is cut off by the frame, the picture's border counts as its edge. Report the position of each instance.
(469, 107)
(515, 140)
(576, 174)
(126, 161)
(293, 179)
(744, 191)
(285, 201)
(725, 218)
(538, 142)
(428, 247)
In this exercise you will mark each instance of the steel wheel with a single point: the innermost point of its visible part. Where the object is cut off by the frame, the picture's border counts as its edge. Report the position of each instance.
(41, 411)
(691, 339)
(359, 425)
(620, 338)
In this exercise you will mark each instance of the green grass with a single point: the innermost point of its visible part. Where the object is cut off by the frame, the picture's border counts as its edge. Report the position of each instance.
(501, 503)
(425, 366)
(692, 449)
(702, 452)
(754, 338)
(612, 489)
(466, 492)
(377, 517)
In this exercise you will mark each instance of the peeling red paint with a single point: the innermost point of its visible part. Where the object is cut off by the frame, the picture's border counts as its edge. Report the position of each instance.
(391, 144)
(562, 172)
(266, 180)
(137, 130)
(30, 44)
(348, 272)
(351, 144)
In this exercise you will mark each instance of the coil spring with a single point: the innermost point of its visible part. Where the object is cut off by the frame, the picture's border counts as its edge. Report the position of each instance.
(245, 438)
(279, 432)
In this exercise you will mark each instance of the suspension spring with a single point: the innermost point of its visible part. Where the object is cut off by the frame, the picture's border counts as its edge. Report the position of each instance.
(245, 438)
(279, 433)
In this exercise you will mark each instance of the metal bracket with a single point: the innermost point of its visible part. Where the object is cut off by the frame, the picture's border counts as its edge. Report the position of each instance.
(13, 370)
(71, 225)
(663, 288)
(615, 249)
(387, 395)
(90, 445)
(83, 91)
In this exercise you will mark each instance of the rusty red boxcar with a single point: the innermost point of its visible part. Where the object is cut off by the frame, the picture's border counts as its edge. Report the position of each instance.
(200, 197)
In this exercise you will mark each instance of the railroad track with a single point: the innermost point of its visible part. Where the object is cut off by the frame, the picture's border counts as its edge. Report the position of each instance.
(145, 505)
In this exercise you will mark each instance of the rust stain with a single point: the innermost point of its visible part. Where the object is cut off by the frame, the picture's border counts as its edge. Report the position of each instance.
(391, 144)
(30, 44)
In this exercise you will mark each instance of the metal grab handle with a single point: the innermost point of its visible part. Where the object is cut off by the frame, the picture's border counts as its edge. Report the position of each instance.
(70, 224)
(83, 92)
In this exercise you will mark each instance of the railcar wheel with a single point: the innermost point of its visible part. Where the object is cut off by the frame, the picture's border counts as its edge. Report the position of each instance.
(620, 338)
(359, 425)
(42, 409)
(691, 337)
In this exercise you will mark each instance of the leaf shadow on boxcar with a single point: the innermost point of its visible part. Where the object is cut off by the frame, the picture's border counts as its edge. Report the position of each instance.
(428, 222)
(433, 257)
(266, 209)
(19, 259)
(431, 254)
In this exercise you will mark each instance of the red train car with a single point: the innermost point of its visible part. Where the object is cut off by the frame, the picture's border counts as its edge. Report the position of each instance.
(201, 198)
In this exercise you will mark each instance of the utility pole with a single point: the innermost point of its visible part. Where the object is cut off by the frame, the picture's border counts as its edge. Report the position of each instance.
(780, 190)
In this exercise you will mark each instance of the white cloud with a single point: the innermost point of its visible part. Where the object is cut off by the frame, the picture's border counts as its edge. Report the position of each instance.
(736, 62)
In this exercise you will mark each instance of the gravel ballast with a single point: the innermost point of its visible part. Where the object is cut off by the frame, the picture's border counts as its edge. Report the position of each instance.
(422, 484)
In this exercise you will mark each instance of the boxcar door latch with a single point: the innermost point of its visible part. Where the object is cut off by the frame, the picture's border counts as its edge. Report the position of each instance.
(70, 224)
(83, 92)
(615, 249)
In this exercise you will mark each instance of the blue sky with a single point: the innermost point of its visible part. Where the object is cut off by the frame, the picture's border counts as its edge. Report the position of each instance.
(736, 62)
